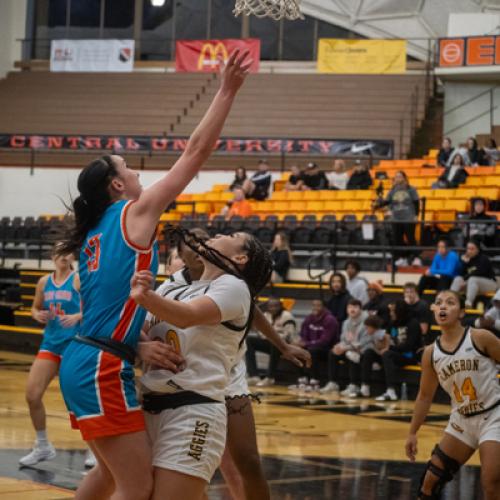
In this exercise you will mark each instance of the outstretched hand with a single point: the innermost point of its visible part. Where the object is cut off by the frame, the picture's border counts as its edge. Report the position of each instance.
(235, 70)
(297, 355)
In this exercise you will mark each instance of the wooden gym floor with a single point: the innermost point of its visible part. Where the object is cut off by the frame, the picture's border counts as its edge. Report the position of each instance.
(312, 447)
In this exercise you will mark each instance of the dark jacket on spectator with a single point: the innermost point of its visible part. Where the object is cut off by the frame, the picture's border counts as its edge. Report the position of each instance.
(337, 305)
(281, 262)
(316, 181)
(421, 312)
(320, 331)
(458, 178)
(483, 227)
(444, 156)
(359, 180)
(480, 265)
(378, 307)
(262, 181)
(407, 338)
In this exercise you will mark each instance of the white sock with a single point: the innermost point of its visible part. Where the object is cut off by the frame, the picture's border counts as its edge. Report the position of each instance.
(41, 437)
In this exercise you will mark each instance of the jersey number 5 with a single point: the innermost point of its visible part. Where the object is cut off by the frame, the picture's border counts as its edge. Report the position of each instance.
(93, 252)
(468, 389)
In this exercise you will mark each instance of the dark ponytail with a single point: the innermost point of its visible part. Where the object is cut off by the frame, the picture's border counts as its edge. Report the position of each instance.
(89, 206)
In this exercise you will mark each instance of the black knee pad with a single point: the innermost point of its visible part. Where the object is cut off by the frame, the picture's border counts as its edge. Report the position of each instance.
(444, 475)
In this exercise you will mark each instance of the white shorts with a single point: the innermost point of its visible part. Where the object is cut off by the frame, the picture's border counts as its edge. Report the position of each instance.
(190, 439)
(475, 430)
(237, 385)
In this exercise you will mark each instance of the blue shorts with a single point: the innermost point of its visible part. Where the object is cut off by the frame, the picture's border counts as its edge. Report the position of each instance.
(99, 391)
(53, 346)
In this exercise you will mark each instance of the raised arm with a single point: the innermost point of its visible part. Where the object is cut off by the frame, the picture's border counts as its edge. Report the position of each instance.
(143, 215)
(428, 385)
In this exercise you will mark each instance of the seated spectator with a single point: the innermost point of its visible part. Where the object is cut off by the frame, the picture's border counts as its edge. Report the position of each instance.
(491, 152)
(445, 266)
(482, 226)
(445, 152)
(348, 350)
(337, 303)
(295, 181)
(240, 177)
(338, 178)
(286, 326)
(356, 285)
(463, 152)
(452, 176)
(491, 318)
(476, 155)
(360, 178)
(318, 333)
(377, 305)
(257, 187)
(314, 179)
(372, 353)
(282, 257)
(239, 205)
(419, 309)
(477, 274)
(405, 340)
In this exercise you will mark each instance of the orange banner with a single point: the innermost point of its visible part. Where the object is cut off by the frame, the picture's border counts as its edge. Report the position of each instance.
(203, 55)
(469, 51)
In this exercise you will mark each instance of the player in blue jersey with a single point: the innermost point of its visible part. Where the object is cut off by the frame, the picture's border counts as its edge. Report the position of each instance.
(57, 306)
(115, 226)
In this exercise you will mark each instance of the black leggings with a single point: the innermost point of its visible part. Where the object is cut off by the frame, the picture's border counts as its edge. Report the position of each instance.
(400, 230)
(334, 368)
(262, 345)
(434, 283)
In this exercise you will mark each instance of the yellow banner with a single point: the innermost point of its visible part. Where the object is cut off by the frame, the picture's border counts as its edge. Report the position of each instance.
(361, 56)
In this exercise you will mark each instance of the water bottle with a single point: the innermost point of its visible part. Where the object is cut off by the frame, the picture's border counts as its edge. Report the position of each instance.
(404, 391)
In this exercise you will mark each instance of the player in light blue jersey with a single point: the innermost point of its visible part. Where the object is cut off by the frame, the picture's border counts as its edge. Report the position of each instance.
(115, 226)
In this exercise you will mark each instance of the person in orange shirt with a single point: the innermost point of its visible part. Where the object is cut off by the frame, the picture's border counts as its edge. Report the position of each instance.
(237, 206)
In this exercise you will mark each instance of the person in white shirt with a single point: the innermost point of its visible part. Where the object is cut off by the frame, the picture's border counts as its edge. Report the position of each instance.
(338, 177)
(356, 285)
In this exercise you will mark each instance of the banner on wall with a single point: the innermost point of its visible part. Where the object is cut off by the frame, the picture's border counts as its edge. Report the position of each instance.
(203, 55)
(343, 147)
(92, 55)
(469, 51)
(361, 56)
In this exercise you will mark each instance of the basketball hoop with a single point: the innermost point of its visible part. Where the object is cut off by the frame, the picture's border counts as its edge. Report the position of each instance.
(277, 9)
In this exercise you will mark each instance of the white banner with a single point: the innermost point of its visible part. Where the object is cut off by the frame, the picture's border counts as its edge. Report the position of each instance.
(92, 55)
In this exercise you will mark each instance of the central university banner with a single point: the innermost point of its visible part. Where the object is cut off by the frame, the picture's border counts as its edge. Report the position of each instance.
(92, 55)
(361, 56)
(328, 147)
(203, 55)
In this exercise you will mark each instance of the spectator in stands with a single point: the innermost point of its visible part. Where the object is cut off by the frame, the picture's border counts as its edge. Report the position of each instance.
(419, 309)
(403, 203)
(477, 274)
(314, 179)
(348, 350)
(377, 305)
(281, 254)
(240, 176)
(405, 340)
(360, 178)
(482, 226)
(295, 182)
(319, 331)
(445, 152)
(257, 187)
(356, 285)
(372, 354)
(239, 205)
(453, 176)
(445, 266)
(476, 155)
(491, 319)
(463, 152)
(337, 304)
(338, 178)
(286, 326)
(491, 152)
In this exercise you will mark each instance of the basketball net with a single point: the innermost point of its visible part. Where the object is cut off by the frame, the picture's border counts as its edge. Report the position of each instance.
(277, 9)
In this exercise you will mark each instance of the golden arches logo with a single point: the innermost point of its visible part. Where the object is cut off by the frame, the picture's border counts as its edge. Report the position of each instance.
(172, 338)
(209, 55)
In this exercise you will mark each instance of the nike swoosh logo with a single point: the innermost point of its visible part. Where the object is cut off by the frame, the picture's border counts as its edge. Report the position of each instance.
(359, 149)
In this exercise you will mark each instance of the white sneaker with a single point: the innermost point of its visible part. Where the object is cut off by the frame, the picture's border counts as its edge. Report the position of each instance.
(389, 395)
(376, 367)
(365, 390)
(90, 460)
(303, 380)
(353, 356)
(265, 382)
(350, 389)
(401, 262)
(253, 380)
(38, 453)
(298, 387)
(416, 262)
(329, 387)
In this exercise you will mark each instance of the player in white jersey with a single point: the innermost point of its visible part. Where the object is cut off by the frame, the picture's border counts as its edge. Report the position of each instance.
(241, 466)
(463, 361)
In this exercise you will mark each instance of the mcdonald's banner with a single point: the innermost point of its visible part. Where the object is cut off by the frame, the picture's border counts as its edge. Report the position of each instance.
(203, 55)
(383, 149)
(361, 56)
